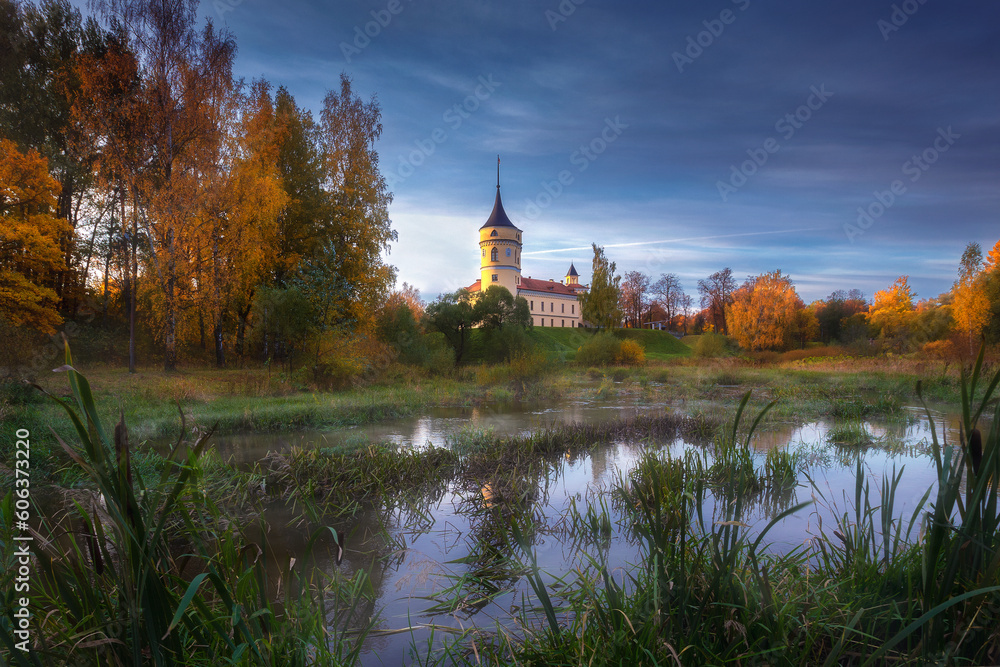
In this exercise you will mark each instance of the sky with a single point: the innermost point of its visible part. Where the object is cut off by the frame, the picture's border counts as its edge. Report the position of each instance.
(845, 143)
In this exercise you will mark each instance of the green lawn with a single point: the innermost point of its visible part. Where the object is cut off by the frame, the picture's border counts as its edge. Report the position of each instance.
(561, 343)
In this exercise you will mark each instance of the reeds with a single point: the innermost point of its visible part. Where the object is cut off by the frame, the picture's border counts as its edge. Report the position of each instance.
(875, 588)
(154, 572)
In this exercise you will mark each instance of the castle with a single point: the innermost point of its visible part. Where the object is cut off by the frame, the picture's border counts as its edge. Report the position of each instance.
(552, 304)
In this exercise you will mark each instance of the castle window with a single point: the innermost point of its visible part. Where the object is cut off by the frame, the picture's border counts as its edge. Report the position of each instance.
(508, 252)
(572, 309)
(496, 278)
(493, 255)
(517, 280)
(484, 253)
(564, 308)
(494, 233)
(552, 306)
(532, 305)
(564, 322)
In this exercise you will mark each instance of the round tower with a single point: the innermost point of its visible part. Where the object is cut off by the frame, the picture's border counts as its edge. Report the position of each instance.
(499, 248)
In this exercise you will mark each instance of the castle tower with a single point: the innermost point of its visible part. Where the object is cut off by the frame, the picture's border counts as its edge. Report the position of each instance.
(499, 248)
(572, 277)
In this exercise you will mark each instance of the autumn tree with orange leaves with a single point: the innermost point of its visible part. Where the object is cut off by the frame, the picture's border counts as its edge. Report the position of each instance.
(891, 312)
(970, 307)
(185, 75)
(239, 200)
(30, 253)
(763, 312)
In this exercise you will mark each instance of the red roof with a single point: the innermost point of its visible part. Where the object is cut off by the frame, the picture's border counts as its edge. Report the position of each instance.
(549, 286)
(543, 286)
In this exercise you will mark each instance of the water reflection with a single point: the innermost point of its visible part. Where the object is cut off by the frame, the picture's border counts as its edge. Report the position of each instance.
(444, 558)
(436, 427)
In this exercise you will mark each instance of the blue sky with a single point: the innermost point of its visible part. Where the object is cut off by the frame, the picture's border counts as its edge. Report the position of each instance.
(690, 136)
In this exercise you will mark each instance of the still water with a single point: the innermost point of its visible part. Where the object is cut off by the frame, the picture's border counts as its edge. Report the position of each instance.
(415, 552)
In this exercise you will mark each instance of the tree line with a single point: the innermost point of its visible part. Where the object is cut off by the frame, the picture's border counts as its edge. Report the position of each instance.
(765, 311)
(141, 180)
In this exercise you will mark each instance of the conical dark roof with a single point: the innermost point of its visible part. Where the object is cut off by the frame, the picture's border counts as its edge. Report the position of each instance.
(498, 218)
(572, 271)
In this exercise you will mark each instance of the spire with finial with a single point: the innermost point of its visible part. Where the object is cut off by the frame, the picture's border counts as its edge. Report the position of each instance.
(498, 218)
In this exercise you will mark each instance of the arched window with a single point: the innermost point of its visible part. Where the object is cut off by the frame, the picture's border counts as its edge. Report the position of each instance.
(493, 255)
(494, 233)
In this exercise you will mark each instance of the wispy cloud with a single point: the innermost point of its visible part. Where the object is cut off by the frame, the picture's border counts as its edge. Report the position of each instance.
(687, 239)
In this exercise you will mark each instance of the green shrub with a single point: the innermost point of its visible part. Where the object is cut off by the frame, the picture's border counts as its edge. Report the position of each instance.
(711, 345)
(440, 359)
(400, 330)
(601, 350)
(506, 343)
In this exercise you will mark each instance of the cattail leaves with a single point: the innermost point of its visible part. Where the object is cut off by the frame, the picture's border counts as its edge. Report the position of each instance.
(118, 590)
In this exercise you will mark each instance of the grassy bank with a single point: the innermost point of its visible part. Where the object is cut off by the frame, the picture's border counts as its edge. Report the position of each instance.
(561, 344)
(256, 401)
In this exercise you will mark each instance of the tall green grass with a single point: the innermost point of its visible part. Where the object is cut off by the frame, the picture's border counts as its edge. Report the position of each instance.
(154, 572)
(874, 588)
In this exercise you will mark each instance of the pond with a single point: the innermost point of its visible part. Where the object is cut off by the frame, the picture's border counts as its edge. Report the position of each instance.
(436, 550)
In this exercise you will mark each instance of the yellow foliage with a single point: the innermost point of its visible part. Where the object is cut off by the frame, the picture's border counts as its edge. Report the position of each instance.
(763, 314)
(970, 307)
(630, 353)
(29, 239)
(892, 308)
(993, 258)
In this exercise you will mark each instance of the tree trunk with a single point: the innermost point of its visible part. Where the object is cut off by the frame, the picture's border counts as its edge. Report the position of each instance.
(241, 327)
(220, 351)
(169, 309)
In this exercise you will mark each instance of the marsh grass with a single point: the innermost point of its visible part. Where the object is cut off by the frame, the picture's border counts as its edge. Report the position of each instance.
(850, 433)
(869, 589)
(688, 601)
(115, 589)
(342, 481)
(873, 588)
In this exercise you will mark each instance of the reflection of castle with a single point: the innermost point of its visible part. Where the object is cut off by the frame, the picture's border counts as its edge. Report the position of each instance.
(552, 304)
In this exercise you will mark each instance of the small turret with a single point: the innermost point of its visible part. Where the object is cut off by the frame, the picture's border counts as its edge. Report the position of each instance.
(572, 277)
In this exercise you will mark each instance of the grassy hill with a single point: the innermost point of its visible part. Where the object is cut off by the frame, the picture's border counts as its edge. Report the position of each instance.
(561, 343)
